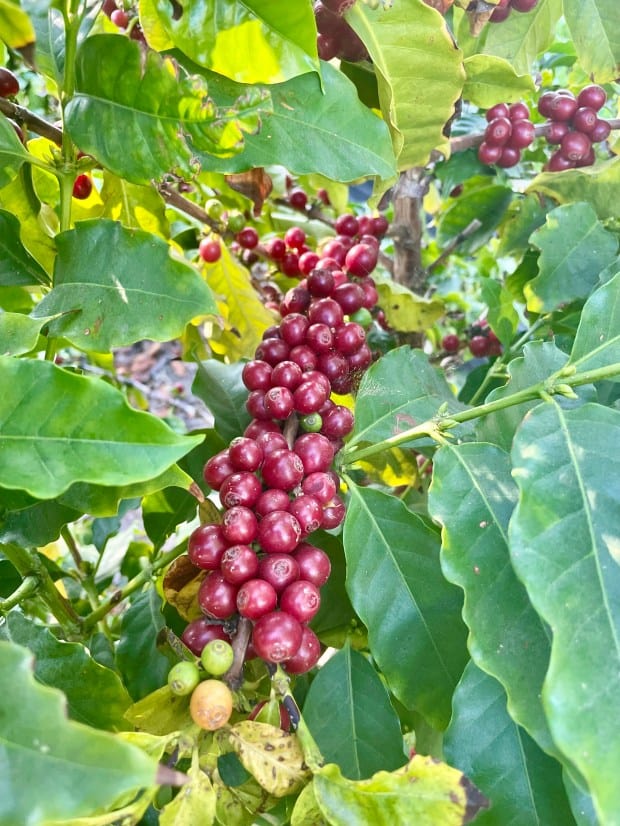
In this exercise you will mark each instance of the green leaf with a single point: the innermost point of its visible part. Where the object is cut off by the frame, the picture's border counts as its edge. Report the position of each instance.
(309, 113)
(391, 550)
(490, 79)
(425, 792)
(594, 26)
(12, 152)
(485, 203)
(523, 783)
(418, 85)
(522, 37)
(238, 301)
(131, 289)
(349, 714)
(15, 26)
(524, 215)
(51, 415)
(56, 769)
(336, 612)
(502, 316)
(38, 524)
(17, 266)
(222, 36)
(134, 115)
(398, 392)
(404, 310)
(472, 496)
(19, 199)
(565, 554)
(596, 185)
(574, 248)
(18, 333)
(164, 510)
(142, 665)
(95, 695)
(222, 390)
(540, 360)
(160, 712)
(597, 343)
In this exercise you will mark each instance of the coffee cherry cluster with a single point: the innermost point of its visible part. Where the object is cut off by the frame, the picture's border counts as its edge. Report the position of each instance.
(276, 482)
(335, 37)
(483, 341)
(504, 7)
(573, 126)
(509, 131)
(124, 18)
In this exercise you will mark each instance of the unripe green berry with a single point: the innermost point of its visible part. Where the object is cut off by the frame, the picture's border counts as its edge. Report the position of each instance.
(217, 657)
(311, 423)
(214, 209)
(362, 317)
(183, 678)
(235, 221)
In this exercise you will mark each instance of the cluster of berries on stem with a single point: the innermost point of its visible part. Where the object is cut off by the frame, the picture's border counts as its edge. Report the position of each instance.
(481, 341)
(335, 37)
(276, 482)
(573, 126)
(509, 131)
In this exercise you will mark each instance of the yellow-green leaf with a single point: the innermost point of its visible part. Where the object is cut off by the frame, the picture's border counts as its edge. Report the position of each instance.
(273, 756)
(598, 185)
(425, 792)
(491, 78)
(15, 27)
(194, 804)
(160, 712)
(243, 310)
(419, 72)
(404, 310)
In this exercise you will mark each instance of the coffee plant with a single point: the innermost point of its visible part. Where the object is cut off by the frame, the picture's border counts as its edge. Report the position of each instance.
(376, 580)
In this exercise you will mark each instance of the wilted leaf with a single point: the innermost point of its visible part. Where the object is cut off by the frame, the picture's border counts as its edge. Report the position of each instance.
(254, 184)
(181, 583)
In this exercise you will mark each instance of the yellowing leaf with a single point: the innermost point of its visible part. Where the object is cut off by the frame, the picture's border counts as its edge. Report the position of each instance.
(404, 310)
(425, 792)
(194, 804)
(491, 78)
(273, 756)
(160, 712)
(15, 26)
(181, 584)
(392, 467)
(247, 316)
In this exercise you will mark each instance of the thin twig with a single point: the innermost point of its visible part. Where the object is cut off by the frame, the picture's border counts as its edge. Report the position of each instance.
(21, 115)
(472, 227)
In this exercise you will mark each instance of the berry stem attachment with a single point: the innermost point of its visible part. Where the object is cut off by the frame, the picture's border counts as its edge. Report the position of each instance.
(234, 676)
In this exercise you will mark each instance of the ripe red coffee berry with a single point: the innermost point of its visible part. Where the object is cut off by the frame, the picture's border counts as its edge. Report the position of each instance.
(120, 18)
(276, 249)
(314, 564)
(279, 570)
(279, 532)
(255, 598)
(9, 84)
(307, 655)
(518, 111)
(307, 262)
(498, 132)
(489, 154)
(479, 346)
(333, 513)
(240, 488)
(239, 525)
(575, 146)
(510, 157)
(584, 120)
(450, 343)
(209, 250)
(271, 500)
(218, 468)
(279, 402)
(315, 451)
(347, 225)
(217, 597)
(563, 107)
(308, 511)
(82, 187)
(295, 237)
(283, 469)
(500, 110)
(247, 238)
(245, 454)
(593, 96)
(523, 6)
(256, 375)
(379, 226)
(239, 563)
(361, 260)
(206, 547)
(601, 131)
(201, 631)
(301, 600)
(298, 199)
(556, 131)
(277, 636)
(522, 134)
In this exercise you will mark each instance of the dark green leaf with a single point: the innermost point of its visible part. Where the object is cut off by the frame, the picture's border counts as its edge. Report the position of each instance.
(473, 496)
(564, 552)
(486, 204)
(523, 784)
(38, 524)
(131, 289)
(139, 660)
(398, 392)
(51, 414)
(134, 115)
(418, 629)
(222, 390)
(349, 713)
(336, 611)
(18, 333)
(17, 266)
(95, 695)
(56, 769)
(12, 152)
(523, 216)
(597, 343)
(574, 247)
(164, 510)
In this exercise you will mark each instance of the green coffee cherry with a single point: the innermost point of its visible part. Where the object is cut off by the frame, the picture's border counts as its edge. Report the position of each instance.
(217, 657)
(183, 678)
